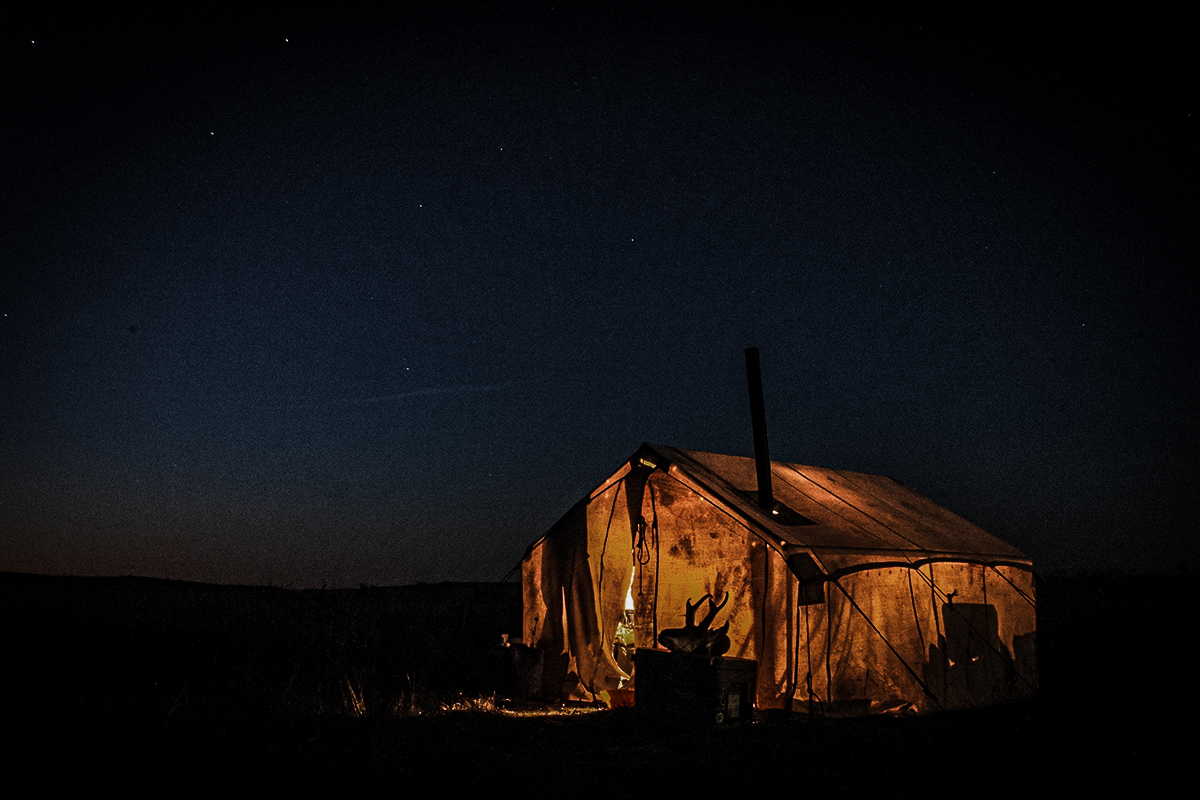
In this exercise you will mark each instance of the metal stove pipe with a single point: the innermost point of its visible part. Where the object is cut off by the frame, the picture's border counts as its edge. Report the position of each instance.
(758, 418)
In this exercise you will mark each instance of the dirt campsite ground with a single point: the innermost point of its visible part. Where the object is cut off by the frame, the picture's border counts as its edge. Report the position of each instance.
(147, 686)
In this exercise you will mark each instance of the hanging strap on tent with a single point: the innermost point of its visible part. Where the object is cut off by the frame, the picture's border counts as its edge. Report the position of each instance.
(640, 554)
(766, 592)
(657, 561)
(795, 655)
(808, 659)
(604, 549)
(828, 646)
(912, 596)
(937, 626)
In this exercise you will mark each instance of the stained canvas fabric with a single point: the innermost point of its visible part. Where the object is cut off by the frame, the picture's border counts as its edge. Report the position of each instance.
(863, 596)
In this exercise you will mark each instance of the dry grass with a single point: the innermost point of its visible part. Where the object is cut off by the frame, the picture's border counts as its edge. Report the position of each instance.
(274, 697)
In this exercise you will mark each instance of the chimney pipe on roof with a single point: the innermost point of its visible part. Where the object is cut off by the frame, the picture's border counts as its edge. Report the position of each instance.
(758, 417)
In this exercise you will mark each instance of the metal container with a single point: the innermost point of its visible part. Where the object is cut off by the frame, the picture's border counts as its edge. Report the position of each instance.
(697, 688)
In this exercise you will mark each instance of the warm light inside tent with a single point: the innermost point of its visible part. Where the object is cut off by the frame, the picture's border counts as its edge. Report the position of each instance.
(624, 640)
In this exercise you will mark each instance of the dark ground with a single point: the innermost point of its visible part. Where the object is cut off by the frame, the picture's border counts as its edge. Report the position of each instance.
(155, 685)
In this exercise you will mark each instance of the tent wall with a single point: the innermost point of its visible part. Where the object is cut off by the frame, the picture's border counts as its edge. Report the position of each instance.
(691, 549)
(895, 636)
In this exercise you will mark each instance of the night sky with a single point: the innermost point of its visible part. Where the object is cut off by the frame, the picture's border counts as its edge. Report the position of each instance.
(374, 299)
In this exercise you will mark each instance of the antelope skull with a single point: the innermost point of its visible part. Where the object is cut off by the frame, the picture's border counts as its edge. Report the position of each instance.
(696, 637)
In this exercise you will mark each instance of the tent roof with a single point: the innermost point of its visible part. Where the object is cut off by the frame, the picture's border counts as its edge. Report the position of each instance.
(852, 520)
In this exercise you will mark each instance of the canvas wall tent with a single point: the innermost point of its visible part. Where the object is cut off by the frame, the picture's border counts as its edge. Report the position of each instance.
(859, 595)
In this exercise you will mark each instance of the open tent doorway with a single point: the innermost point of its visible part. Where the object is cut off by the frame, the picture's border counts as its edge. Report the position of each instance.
(625, 641)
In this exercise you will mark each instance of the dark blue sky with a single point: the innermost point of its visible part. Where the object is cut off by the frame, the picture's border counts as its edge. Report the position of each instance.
(375, 298)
